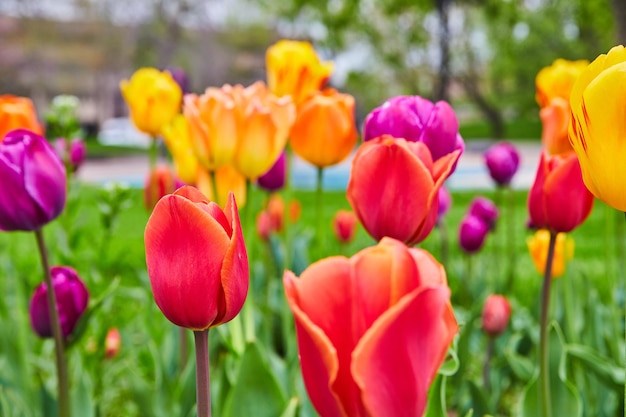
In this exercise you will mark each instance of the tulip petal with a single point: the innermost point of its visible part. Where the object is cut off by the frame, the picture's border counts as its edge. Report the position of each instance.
(397, 359)
(185, 246)
(430, 272)
(318, 357)
(555, 120)
(323, 287)
(379, 194)
(235, 273)
(535, 195)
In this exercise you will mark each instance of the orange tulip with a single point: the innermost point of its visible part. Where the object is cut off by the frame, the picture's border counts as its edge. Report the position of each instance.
(293, 68)
(344, 225)
(393, 188)
(112, 343)
(295, 209)
(276, 210)
(196, 259)
(558, 199)
(351, 317)
(245, 127)
(325, 132)
(227, 179)
(17, 113)
(555, 118)
(153, 97)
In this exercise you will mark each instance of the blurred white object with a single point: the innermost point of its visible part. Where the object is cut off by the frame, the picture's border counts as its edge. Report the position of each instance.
(122, 132)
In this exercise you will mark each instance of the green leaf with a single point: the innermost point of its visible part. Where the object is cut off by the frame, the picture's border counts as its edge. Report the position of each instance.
(292, 408)
(600, 365)
(565, 399)
(451, 366)
(436, 406)
(256, 391)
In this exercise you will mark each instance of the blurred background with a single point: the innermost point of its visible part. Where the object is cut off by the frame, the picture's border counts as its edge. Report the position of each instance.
(481, 55)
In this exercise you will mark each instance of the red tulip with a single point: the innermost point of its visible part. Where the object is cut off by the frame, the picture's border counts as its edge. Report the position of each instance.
(344, 225)
(372, 330)
(496, 314)
(559, 200)
(196, 259)
(159, 182)
(394, 185)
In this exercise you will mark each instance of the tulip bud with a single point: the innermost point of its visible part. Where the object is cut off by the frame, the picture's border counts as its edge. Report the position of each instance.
(496, 314)
(264, 225)
(74, 156)
(33, 188)
(502, 161)
(295, 208)
(112, 343)
(274, 179)
(276, 211)
(472, 233)
(160, 182)
(71, 296)
(344, 225)
(486, 210)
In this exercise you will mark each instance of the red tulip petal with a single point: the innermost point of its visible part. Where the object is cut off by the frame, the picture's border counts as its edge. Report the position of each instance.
(389, 188)
(431, 272)
(386, 273)
(398, 358)
(235, 273)
(318, 357)
(191, 193)
(536, 194)
(185, 247)
(326, 291)
(567, 200)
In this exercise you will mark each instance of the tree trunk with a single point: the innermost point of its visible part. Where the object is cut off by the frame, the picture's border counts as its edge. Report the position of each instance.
(491, 112)
(619, 10)
(441, 92)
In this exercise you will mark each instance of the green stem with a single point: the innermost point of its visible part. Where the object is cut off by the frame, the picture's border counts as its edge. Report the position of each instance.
(544, 358)
(487, 364)
(213, 178)
(61, 364)
(443, 235)
(319, 207)
(510, 237)
(203, 391)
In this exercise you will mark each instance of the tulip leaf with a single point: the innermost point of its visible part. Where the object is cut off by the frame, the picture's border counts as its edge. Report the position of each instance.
(300, 259)
(436, 406)
(600, 365)
(565, 399)
(480, 402)
(292, 408)
(451, 366)
(522, 367)
(256, 391)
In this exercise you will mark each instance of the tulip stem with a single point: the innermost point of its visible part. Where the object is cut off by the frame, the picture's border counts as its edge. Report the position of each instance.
(544, 358)
(203, 391)
(510, 237)
(153, 153)
(487, 364)
(319, 206)
(61, 364)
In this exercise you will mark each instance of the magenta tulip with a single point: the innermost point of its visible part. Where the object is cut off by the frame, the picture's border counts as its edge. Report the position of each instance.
(274, 179)
(472, 233)
(502, 161)
(484, 209)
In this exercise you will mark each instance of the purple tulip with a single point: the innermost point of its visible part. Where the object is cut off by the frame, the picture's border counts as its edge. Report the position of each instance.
(445, 201)
(472, 233)
(180, 76)
(71, 296)
(502, 160)
(33, 182)
(274, 179)
(77, 152)
(417, 120)
(484, 209)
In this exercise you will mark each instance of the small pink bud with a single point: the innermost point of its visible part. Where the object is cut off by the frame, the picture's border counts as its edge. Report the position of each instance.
(496, 314)
(112, 343)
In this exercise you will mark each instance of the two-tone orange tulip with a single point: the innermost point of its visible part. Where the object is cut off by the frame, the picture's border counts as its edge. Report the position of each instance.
(197, 260)
(558, 200)
(394, 186)
(227, 179)
(293, 68)
(388, 296)
(325, 132)
(153, 97)
(245, 127)
(17, 113)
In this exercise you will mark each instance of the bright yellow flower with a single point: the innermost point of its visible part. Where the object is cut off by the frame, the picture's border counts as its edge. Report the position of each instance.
(598, 128)
(538, 248)
(293, 68)
(557, 79)
(325, 132)
(227, 179)
(178, 142)
(153, 97)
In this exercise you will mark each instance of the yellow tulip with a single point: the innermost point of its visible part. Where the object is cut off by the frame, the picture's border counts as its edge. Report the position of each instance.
(153, 97)
(325, 132)
(538, 248)
(598, 128)
(557, 79)
(293, 68)
(227, 179)
(178, 141)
